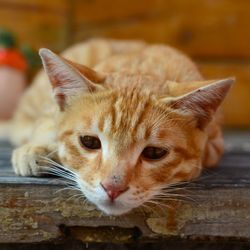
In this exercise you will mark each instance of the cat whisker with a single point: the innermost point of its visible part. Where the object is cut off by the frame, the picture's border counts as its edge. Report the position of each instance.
(57, 169)
(83, 199)
(159, 203)
(61, 177)
(170, 196)
(69, 177)
(183, 198)
(51, 153)
(159, 208)
(167, 199)
(180, 193)
(149, 209)
(66, 188)
(73, 196)
(49, 160)
(60, 170)
(61, 174)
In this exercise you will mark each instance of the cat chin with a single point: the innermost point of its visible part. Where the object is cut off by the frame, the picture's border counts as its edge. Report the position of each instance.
(114, 209)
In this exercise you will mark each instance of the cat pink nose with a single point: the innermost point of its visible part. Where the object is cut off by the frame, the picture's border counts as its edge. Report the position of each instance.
(113, 191)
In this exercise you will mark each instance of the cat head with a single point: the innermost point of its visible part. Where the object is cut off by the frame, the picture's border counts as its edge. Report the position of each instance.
(126, 144)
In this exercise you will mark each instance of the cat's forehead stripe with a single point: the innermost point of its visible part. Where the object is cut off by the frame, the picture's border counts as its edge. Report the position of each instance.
(117, 113)
(128, 113)
(124, 114)
(141, 132)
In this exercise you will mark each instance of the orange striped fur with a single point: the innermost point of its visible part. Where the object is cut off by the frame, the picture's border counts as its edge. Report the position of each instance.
(134, 96)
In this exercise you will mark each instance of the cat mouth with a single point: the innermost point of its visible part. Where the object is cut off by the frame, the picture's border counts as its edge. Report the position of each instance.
(113, 207)
(108, 206)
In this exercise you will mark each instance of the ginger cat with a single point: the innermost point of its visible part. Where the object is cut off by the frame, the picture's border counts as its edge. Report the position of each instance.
(126, 118)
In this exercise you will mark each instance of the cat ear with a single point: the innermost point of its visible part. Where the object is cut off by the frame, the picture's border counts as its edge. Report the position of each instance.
(176, 89)
(203, 102)
(68, 79)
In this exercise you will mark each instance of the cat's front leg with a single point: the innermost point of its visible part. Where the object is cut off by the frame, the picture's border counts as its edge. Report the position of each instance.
(30, 159)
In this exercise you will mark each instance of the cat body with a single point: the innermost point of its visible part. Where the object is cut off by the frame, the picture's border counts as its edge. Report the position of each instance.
(127, 119)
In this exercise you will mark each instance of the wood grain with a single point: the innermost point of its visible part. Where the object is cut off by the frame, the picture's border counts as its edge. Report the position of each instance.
(217, 28)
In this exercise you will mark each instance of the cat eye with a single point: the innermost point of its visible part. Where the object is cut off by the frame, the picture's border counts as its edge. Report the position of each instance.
(154, 153)
(90, 142)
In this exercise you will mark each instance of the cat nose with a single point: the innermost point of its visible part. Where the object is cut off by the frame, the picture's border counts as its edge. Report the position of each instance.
(113, 191)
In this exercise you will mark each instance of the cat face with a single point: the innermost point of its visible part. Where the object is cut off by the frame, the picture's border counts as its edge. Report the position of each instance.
(129, 144)
(126, 144)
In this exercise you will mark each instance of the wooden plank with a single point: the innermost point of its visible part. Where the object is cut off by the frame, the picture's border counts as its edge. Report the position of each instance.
(199, 27)
(32, 213)
(38, 23)
(216, 206)
(237, 105)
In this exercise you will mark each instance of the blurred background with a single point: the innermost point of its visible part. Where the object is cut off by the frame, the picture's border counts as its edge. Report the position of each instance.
(215, 33)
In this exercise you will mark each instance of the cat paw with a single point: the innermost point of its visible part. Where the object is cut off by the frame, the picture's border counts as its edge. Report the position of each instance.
(27, 160)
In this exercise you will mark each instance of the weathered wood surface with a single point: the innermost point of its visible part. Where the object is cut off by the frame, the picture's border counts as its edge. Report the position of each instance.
(35, 210)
